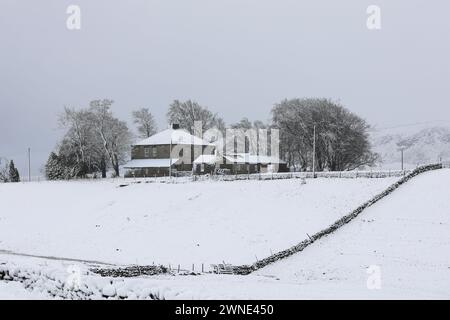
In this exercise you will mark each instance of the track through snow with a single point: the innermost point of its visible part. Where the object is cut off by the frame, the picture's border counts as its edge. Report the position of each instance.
(92, 262)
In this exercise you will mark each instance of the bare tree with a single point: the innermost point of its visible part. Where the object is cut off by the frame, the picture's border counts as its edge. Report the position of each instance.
(4, 170)
(94, 138)
(81, 147)
(146, 125)
(113, 133)
(79, 130)
(186, 113)
(244, 123)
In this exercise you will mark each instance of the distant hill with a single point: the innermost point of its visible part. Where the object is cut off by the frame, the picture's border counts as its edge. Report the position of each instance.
(422, 143)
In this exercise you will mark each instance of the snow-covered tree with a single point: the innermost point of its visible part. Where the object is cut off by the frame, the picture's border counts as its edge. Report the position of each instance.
(78, 147)
(13, 172)
(63, 167)
(341, 137)
(146, 125)
(94, 141)
(54, 168)
(244, 123)
(112, 133)
(79, 129)
(4, 170)
(186, 113)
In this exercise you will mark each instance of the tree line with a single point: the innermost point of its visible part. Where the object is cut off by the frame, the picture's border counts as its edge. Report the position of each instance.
(342, 140)
(96, 141)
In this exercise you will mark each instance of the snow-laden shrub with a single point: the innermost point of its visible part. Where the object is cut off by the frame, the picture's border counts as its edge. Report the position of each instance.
(61, 168)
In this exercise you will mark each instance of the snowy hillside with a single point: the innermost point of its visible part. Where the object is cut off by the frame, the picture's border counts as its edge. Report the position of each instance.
(422, 144)
(195, 222)
(405, 237)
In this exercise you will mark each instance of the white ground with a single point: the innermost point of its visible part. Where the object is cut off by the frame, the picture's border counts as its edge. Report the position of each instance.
(407, 235)
(14, 290)
(200, 222)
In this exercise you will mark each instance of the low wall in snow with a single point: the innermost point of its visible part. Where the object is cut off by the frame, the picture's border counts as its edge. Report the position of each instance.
(246, 269)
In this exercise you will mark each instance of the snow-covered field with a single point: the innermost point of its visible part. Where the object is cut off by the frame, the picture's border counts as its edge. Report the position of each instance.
(187, 223)
(405, 236)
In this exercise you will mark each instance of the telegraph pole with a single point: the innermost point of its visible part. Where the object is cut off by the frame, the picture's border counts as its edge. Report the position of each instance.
(170, 155)
(29, 164)
(314, 153)
(402, 157)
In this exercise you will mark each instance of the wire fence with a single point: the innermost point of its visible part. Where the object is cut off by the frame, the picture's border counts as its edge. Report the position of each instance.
(183, 177)
(269, 176)
(187, 176)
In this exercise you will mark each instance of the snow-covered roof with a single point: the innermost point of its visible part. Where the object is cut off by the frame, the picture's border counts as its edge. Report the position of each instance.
(206, 158)
(177, 136)
(251, 159)
(149, 163)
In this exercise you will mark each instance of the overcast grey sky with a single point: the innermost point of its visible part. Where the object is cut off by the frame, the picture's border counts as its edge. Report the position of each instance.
(238, 57)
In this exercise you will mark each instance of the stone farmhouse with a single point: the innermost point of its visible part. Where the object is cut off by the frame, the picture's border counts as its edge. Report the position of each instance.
(162, 155)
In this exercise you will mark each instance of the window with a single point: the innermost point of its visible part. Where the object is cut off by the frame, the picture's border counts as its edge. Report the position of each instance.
(146, 152)
(154, 152)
